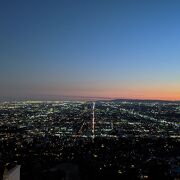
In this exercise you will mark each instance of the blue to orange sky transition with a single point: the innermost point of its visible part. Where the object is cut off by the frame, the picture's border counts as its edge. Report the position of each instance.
(91, 48)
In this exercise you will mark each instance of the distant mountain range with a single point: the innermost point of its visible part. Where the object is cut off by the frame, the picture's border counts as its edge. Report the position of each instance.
(145, 100)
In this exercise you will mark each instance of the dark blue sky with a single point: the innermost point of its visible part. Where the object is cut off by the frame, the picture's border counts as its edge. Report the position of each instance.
(104, 48)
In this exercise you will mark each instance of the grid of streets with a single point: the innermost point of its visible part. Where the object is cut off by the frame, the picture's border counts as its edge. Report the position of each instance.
(90, 119)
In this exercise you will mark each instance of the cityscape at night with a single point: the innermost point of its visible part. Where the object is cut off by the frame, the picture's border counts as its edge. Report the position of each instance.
(89, 89)
(120, 139)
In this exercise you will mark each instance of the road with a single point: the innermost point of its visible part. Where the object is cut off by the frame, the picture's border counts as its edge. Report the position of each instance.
(93, 121)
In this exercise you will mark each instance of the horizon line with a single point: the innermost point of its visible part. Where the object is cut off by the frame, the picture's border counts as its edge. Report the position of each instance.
(78, 98)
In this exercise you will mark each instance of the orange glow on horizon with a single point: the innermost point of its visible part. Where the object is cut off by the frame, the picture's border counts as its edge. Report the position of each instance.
(150, 91)
(151, 95)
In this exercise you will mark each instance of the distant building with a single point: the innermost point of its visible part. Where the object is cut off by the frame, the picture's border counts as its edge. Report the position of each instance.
(12, 173)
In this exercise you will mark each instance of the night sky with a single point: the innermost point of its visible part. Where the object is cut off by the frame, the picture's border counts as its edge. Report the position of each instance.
(91, 48)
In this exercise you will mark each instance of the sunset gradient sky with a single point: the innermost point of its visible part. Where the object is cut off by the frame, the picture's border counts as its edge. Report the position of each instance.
(91, 48)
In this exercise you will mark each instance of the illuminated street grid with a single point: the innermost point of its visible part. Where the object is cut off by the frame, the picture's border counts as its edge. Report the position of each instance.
(111, 119)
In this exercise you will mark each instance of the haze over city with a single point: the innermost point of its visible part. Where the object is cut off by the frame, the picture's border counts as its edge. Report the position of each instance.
(98, 48)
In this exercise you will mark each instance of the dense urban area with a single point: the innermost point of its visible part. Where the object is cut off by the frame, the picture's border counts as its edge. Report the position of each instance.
(119, 139)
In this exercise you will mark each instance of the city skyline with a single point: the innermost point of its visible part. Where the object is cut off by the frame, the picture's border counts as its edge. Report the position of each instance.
(99, 48)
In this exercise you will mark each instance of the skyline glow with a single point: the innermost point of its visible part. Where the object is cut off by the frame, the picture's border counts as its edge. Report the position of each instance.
(97, 48)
